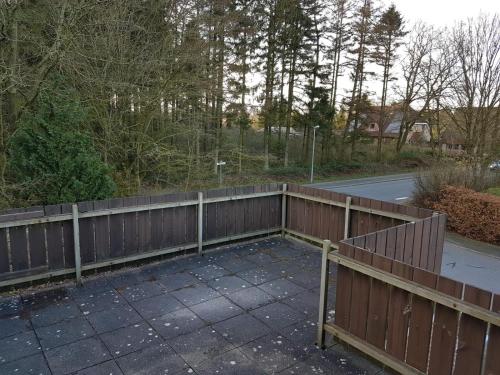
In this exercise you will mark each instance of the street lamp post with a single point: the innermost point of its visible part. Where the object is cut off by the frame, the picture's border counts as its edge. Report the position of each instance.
(220, 164)
(312, 155)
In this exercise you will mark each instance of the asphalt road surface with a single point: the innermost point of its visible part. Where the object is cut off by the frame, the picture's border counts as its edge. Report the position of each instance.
(464, 260)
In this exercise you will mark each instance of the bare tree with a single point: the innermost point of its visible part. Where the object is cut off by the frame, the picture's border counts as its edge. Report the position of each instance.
(427, 71)
(474, 97)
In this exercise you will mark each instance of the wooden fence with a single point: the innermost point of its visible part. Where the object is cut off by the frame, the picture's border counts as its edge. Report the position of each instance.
(392, 306)
(39, 242)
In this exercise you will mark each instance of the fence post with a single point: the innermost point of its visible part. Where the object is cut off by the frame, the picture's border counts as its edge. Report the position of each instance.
(283, 211)
(76, 240)
(323, 296)
(347, 216)
(200, 222)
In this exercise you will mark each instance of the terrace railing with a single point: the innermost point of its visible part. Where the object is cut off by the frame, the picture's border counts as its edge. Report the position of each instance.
(46, 241)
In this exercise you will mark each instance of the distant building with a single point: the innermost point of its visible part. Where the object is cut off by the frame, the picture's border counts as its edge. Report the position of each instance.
(452, 142)
(369, 126)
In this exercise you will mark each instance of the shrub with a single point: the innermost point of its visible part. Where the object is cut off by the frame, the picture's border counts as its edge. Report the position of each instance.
(51, 160)
(430, 183)
(472, 214)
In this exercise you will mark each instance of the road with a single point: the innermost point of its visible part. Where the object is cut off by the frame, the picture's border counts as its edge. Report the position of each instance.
(464, 260)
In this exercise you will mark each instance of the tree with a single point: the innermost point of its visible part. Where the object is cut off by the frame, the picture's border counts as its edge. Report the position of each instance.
(359, 52)
(474, 95)
(51, 159)
(387, 34)
(426, 74)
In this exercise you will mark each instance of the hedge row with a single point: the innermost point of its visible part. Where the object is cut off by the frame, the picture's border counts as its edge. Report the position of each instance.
(472, 214)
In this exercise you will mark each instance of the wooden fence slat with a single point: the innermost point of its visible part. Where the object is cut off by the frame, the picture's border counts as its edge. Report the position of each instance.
(390, 249)
(492, 363)
(417, 243)
(343, 298)
(378, 304)
(144, 226)
(116, 227)
(381, 243)
(156, 223)
(102, 232)
(471, 334)
(361, 291)
(400, 242)
(192, 220)
(54, 233)
(419, 334)
(434, 222)
(424, 250)
(408, 244)
(445, 328)
(440, 243)
(4, 253)
(169, 223)
(18, 248)
(87, 249)
(69, 243)
(38, 252)
(398, 314)
(130, 233)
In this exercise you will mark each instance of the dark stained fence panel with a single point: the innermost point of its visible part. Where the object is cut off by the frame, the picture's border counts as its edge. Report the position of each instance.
(419, 334)
(471, 334)
(445, 328)
(131, 240)
(4, 252)
(492, 363)
(37, 249)
(102, 232)
(378, 304)
(86, 227)
(398, 314)
(116, 228)
(18, 248)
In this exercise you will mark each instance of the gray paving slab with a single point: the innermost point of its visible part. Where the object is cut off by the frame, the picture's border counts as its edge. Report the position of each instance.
(216, 309)
(109, 320)
(32, 365)
(64, 332)
(241, 329)
(209, 272)
(229, 284)
(156, 359)
(178, 281)
(77, 356)
(278, 315)
(258, 276)
(10, 325)
(177, 323)
(94, 302)
(106, 368)
(251, 298)
(130, 339)
(231, 363)
(18, 346)
(157, 305)
(195, 294)
(273, 353)
(281, 288)
(201, 345)
(54, 313)
(182, 316)
(236, 264)
(143, 290)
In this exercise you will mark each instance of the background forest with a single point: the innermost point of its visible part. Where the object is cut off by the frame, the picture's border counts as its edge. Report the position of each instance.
(114, 97)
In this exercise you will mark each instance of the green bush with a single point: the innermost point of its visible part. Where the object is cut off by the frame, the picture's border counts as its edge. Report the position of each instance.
(50, 159)
(341, 166)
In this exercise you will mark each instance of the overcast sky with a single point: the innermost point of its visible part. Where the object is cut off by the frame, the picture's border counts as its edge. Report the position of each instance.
(444, 12)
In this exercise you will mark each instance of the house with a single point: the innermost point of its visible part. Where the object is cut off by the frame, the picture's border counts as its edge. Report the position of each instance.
(452, 142)
(420, 132)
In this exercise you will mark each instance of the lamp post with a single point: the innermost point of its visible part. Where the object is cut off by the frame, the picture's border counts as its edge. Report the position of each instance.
(312, 155)
(220, 164)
